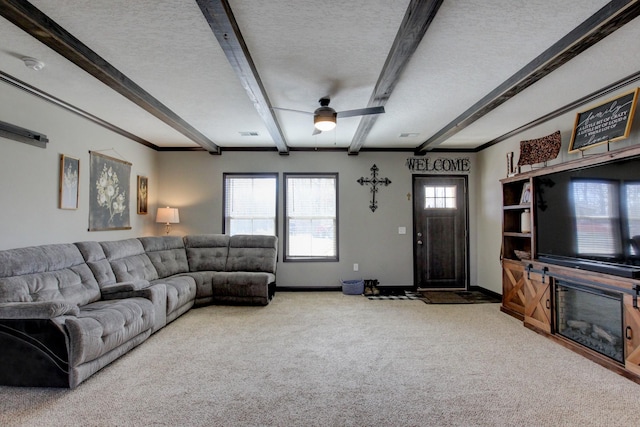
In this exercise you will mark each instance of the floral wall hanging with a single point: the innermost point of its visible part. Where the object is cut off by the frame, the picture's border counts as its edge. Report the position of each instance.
(109, 193)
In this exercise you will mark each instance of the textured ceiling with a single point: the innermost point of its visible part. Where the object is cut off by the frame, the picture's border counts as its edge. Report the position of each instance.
(305, 50)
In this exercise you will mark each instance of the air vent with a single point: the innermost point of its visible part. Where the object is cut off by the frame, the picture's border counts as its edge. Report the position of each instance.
(409, 135)
(249, 133)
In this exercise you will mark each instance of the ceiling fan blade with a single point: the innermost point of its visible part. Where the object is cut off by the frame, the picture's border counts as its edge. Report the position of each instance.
(293, 111)
(361, 112)
(316, 131)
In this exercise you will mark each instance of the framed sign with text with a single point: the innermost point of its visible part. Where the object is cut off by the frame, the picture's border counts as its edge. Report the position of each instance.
(606, 122)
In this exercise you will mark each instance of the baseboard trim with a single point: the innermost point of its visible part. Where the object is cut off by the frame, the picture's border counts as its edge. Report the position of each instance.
(381, 287)
(308, 288)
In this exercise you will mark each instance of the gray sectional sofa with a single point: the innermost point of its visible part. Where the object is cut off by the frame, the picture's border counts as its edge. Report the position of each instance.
(68, 310)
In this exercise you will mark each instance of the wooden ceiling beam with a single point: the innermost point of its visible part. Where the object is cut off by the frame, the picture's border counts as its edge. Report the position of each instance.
(30, 19)
(588, 99)
(608, 19)
(224, 26)
(416, 21)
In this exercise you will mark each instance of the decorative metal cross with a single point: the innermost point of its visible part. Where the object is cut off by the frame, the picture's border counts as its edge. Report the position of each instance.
(374, 181)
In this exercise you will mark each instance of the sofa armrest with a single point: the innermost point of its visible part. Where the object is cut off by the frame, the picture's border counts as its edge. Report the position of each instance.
(156, 293)
(117, 290)
(37, 310)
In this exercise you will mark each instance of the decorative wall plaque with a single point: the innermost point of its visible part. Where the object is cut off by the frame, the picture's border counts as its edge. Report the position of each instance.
(540, 150)
(606, 122)
(374, 181)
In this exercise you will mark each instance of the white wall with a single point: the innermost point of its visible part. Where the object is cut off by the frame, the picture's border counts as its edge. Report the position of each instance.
(29, 176)
(192, 181)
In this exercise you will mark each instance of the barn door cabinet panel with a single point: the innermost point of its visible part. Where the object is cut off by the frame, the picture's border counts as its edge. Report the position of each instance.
(513, 298)
(632, 335)
(537, 293)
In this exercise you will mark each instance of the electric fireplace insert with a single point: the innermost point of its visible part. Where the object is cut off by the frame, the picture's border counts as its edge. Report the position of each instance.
(590, 317)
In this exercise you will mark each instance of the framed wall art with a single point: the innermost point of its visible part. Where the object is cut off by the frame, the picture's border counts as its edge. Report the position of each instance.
(606, 122)
(69, 182)
(525, 197)
(109, 193)
(143, 195)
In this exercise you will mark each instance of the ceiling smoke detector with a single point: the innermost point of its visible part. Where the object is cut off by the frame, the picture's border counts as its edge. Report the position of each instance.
(33, 63)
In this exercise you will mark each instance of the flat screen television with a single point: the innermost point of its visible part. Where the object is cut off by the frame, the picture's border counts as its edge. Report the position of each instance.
(589, 218)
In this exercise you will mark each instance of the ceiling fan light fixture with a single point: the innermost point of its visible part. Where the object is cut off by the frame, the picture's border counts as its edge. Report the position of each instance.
(324, 119)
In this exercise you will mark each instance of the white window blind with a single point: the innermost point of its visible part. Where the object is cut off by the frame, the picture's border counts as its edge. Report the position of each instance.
(311, 217)
(597, 212)
(250, 204)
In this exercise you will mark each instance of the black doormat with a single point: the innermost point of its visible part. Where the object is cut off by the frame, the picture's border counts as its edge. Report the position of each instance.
(456, 297)
(395, 296)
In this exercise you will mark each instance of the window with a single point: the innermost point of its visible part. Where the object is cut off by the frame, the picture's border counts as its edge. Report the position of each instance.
(632, 204)
(311, 221)
(439, 197)
(597, 211)
(250, 202)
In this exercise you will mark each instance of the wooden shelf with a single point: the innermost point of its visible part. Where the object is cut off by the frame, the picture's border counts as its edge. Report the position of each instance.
(516, 207)
(516, 234)
(512, 238)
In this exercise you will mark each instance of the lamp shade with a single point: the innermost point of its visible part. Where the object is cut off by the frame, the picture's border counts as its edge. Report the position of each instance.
(168, 215)
(324, 119)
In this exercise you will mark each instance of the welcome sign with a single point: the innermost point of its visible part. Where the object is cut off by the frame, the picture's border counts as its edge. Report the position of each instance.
(439, 164)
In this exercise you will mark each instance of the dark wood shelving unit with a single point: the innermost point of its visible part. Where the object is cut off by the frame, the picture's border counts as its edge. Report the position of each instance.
(528, 295)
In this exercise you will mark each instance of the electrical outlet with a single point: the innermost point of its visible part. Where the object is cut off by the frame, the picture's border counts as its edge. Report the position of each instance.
(356, 267)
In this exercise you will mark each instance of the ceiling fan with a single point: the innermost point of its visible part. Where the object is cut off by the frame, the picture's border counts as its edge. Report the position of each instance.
(324, 117)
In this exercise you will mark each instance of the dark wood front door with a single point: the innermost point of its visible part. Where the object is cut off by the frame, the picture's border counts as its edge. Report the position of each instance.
(440, 232)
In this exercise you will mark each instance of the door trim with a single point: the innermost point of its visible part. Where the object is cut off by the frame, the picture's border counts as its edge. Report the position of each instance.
(466, 233)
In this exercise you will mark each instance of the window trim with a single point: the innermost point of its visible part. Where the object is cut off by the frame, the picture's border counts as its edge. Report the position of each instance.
(285, 223)
(445, 198)
(274, 175)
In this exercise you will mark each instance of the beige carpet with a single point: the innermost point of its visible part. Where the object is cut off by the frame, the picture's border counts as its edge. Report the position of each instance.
(326, 359)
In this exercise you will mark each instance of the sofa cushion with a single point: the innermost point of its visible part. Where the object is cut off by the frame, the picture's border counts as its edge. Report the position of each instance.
(97, 261)
(252, 253)
(203, 283)
(181, 290)
(207, 252)
(129, 260)
(247, 287)
(104, 325)
(46, 273)
(167, 254)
